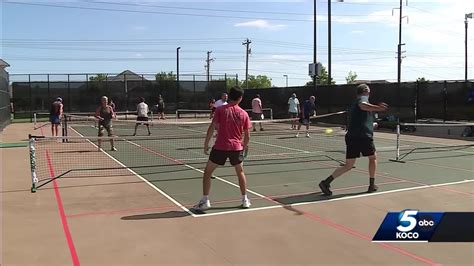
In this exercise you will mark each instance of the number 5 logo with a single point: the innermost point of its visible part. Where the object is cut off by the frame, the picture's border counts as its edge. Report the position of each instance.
(407, 221)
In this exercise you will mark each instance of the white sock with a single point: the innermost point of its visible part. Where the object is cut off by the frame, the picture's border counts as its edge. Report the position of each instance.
(244, 197)
(205, 198)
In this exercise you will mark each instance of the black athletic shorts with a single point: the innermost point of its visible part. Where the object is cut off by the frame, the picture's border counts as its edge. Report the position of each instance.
(357, 146)
(142, 119)
(220, 157)
(305, 119)
(256, 116)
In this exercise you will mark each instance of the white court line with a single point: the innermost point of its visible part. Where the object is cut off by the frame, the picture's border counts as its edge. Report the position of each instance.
(399, 242)
(201, 171)
(336, 199)
(142, 178)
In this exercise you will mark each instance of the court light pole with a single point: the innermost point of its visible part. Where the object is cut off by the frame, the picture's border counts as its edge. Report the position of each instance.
(177, 76)
(286, 76)
(330, 39)
(470, 15)
(314, 46)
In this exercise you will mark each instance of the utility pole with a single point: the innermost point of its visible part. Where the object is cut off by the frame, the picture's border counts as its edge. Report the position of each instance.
(286, 76)
(329, 44)
(330, 40)
(247, 52)
(208, 64)
(470, 15)
(314, 48)
(400, 44)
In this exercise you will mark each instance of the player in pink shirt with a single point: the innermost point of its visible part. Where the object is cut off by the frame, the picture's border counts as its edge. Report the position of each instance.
(231, 123)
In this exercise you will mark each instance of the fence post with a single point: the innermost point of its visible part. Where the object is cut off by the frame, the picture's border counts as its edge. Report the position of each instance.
(194, 91)
(416, 103)
(31, 98)
(225, 78)
(49, 93)
(68, 93)
(445, 100)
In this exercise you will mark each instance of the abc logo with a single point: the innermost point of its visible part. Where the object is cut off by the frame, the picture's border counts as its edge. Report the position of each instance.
(407, 221)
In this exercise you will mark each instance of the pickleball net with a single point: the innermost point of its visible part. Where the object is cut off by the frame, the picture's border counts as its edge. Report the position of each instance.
(447, 138)
(172, 146)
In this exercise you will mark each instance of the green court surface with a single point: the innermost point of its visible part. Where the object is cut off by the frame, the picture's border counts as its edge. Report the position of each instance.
(280, 168)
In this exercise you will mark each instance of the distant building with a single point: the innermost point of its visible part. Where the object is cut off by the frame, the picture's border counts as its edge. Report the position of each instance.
(3, 64)
(127, 75)
(5, 76)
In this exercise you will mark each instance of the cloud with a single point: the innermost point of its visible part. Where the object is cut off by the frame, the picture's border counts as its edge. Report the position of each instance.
(139, 28)
(357, 32)
(260, 24)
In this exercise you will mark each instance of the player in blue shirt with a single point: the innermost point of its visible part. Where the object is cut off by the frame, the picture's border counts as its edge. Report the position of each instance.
(308, 109)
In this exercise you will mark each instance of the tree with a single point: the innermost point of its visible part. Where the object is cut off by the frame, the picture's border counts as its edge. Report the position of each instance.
(322, 79)
(162, 76)
(231, 82)
(258, 82)
(422, 80)
(351, 77)
(98, 77)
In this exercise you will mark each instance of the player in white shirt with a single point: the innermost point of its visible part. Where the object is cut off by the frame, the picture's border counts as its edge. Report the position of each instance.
(257, 111)
(293, 109)
(222, 101)
(142, 116)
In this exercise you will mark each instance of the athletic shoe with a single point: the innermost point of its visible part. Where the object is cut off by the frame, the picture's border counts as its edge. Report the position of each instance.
(113, 149)
(372, 188)
(325, 188)
(246, 204)
(202, 205)
(307, 135)
(297, 135)
(254, 129)
(261, 129)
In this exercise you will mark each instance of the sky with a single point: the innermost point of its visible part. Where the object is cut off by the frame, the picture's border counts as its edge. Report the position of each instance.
(106, 36)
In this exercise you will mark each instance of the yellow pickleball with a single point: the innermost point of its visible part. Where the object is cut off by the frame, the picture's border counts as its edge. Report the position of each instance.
(328, 131)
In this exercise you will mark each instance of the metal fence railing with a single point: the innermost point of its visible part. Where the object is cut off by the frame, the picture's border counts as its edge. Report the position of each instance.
(33, 93)
(412, 101)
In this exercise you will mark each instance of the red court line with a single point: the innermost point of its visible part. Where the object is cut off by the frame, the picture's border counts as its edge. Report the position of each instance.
(329, 223)
(62, 214)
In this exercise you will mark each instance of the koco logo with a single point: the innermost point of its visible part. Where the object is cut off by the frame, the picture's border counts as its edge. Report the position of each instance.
(407, 221)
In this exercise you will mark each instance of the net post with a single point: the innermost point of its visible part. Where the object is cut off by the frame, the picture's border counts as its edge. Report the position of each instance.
(32, 150)
(64, 127)
(397, 156)
(271, 113)
(35, 122)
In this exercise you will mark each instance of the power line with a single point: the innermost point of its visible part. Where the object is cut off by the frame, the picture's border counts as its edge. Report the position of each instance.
(169, 13)
(220, 10)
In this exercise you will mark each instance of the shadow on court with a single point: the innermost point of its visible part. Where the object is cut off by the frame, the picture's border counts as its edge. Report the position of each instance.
(150, 216)
(313, 197)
